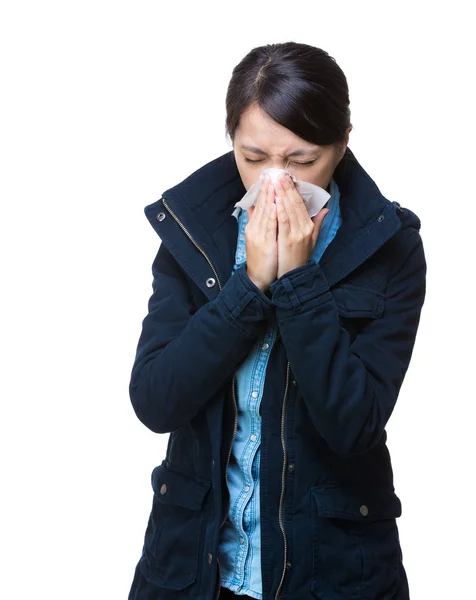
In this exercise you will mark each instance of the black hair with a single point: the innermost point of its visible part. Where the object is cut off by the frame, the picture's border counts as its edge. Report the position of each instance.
(299, 86)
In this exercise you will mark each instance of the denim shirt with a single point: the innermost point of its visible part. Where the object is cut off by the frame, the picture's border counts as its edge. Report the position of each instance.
(239, 548)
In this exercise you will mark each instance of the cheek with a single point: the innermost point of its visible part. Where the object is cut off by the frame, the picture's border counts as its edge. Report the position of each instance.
(249, 175)
(310, 175)
(321, 175)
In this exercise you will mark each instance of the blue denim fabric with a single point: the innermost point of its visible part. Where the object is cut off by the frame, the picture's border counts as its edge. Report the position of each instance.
(239, 547)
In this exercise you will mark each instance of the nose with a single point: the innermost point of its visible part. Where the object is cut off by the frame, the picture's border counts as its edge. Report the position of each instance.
(274, 173)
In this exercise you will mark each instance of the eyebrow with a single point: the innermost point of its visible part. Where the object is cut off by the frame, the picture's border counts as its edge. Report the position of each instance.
(299, 152)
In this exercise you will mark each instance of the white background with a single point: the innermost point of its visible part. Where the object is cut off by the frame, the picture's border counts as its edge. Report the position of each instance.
(104, 105)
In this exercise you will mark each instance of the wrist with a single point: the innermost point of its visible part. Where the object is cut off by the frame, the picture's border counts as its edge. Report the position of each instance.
(263, 287)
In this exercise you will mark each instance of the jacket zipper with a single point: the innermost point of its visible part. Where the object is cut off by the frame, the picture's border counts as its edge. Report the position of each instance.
(233, 381)
(283, 481)
(235, 427)
(192, 240)
(283, 478)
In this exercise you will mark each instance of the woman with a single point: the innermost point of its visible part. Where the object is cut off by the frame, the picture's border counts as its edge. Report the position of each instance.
(273, 352)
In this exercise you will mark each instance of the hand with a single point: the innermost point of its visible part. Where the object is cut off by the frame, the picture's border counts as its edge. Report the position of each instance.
(260, 235)
(297, 232)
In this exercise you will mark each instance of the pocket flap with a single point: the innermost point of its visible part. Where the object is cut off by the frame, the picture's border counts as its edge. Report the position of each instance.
(367, 505)
(173, 487)
(355, 301)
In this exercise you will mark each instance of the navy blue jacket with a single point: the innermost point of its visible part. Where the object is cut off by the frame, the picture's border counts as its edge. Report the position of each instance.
(347, 327)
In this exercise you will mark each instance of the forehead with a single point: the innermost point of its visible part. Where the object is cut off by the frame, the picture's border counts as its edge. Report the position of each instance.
(257, 130)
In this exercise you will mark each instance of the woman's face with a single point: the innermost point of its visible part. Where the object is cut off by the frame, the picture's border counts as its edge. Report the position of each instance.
(260, 138)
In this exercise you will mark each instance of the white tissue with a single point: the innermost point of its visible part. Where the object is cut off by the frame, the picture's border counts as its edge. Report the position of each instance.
(313, 195)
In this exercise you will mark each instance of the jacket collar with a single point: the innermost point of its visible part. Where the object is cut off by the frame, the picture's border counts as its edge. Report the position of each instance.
(200, 208)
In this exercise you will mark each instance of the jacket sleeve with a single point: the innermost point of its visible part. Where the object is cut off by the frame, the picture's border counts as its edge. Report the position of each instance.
(184, 356)
(350, 389)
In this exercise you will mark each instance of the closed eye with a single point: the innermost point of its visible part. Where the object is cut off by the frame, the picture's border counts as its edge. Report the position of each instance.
(306, 164)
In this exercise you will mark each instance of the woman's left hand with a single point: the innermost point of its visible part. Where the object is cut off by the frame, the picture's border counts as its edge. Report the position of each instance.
(297, 232)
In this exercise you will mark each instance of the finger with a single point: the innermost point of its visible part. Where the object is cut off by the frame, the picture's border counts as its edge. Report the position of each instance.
(257, 208)
(270, 209)
(317, 221)
(261, 216)
(282, 215)
(298, 205)
(272, 223)
(293, 224)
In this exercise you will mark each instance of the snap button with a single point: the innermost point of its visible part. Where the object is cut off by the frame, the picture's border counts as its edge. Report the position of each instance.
(364, 510)
(163, 488)
(398, 206)
(160, 216)
(291, 467)
(288, 565)
(210, 558)
(210, 282)
(381, 218)
(265, 346)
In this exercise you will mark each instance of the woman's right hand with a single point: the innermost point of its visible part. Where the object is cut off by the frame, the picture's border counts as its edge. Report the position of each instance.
(261, 238)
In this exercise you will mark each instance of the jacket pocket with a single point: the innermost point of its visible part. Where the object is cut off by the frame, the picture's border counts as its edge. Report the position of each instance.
(174, 531)
(353, 301)
(357, 307)
(355, 543)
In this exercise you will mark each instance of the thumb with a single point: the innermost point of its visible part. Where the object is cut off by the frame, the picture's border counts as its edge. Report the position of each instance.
(318, 219)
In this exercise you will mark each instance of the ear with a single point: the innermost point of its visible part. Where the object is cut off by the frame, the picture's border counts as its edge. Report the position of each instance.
(346, 139)
(343, 145)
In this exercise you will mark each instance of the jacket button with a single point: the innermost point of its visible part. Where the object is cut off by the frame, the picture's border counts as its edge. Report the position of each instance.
(364, 510)
(397, 205)
(160, 216)
(380, 219)
(294, 382)
(163, 488)
(210, 558)
(210, 282)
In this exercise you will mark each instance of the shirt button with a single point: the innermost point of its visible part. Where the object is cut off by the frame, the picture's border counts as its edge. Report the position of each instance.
(364, 510)
(253, 438)
(210, 558)
(265, 346)
(291, 467)
(247, 488)
(255, 394)
(242, 541)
